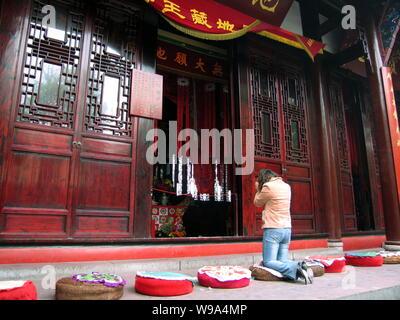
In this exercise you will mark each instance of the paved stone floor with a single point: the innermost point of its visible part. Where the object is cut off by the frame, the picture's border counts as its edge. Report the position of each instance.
(367, 283)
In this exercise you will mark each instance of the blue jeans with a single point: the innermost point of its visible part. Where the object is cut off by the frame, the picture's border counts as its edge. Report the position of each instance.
(275, 252)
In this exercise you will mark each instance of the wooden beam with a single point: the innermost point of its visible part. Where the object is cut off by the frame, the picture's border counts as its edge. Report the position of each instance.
(310, 19)
(328, 10)
(329, 25)
(347, 55)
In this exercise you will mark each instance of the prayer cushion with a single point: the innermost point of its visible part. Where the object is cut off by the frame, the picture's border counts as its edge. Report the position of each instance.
(259, 272)
(370, 259)
(226, 277)
(163, 284)
(17, 290)
(390, 257)
(332, 264)
(317, 267)
(94, 286)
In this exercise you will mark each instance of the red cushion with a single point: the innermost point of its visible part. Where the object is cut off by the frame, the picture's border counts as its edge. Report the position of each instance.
(332, 264)
(225, 277)
(337, 266)
(208, 281)
(162, 284)
(367, 261)
(25, 292)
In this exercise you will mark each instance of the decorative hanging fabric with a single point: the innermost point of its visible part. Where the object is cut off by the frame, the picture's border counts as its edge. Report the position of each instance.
(183, 112)
(211, 20)
(209, 106)
(225, 103)
(310, 46)
(205, 101)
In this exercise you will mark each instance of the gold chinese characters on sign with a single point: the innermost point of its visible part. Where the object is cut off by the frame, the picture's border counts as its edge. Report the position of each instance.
(268, 5)
(177, 58)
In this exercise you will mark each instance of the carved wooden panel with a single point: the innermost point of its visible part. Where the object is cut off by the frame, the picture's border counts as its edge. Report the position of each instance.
(111, 64)
(51, 68)
(294, 104)
(104, 195)
(347, 203)
(43, 225)
(37, 181)
(263, 82)
(279, 113)
(340, 124)
(64, 180)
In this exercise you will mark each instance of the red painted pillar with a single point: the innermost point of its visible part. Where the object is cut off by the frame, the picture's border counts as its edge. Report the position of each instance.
(328, 171)
(329, 174)
(390, 199)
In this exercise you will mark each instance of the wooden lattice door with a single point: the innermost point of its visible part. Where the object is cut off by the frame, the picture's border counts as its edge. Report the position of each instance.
(279, 113)
(71, 163)
(347, 205)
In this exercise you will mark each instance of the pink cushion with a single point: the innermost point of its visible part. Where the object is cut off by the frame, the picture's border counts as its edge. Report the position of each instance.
(225, 277)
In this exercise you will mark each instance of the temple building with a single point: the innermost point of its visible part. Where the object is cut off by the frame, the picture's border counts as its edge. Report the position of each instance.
(91, 90)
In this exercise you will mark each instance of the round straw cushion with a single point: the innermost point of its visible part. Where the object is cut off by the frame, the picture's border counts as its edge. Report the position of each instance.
(332, 264)
(163, 284)
(390, 257)
(260, 272)
(226, 277)
(317, 267)
(17, 290)
(370, 259)
(94, 286)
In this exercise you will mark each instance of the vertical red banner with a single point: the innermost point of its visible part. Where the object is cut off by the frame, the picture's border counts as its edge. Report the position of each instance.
(393, 121)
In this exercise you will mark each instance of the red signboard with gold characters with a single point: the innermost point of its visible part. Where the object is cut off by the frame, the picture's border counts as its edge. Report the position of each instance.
(393, 121)
(205, 18)
(211, 20)
(173, 57)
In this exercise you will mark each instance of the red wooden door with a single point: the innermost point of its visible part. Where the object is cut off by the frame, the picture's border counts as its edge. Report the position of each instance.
(279, 113)
(103, 196)
(69, 171)
(347, 206)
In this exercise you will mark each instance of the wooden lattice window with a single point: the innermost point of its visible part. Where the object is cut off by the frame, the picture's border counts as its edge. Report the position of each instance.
(277, 89)
(265, 108)
(294, 104)
(112, 58)
(51, 68)
(336, 98)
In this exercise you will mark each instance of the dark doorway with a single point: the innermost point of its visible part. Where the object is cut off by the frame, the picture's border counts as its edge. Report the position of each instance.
(358, 157)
